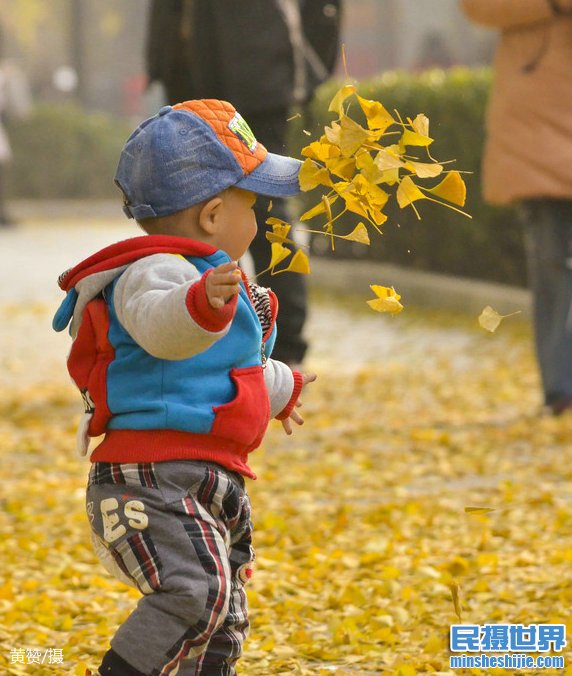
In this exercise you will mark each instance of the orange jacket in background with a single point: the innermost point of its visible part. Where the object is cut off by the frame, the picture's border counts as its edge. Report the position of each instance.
(528, 152)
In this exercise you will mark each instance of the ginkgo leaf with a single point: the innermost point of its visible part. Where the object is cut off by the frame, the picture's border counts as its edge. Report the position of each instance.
(280, 228)
(299, 263)
(387, 299)
(319, 208)
(321, 150)
(279, 253)
(412, 138)
(336, 104)
(479, 510)
(344, 167)
(347, 134)
(386, 159)
(358, 234)
(369, 169)
(408, 192)
(424, 169)
(280, 231)
(452, 188)
(363, 198)
(312, 175)
(376, 115)
(390, 176)
(456, 596)
(490, 319)
(421, 124)
(269, 206)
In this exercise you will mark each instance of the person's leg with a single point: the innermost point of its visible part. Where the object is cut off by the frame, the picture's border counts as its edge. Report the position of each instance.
(166, 528)
(270, 129)
(225, 647)
(548, 229)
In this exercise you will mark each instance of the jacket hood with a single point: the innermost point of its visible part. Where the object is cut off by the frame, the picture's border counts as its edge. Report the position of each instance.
(87, 279)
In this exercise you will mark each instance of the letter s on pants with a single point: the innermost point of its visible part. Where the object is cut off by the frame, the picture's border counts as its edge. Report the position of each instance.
(135, 512)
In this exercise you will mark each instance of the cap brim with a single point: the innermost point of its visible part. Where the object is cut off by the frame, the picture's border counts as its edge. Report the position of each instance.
(276, 176)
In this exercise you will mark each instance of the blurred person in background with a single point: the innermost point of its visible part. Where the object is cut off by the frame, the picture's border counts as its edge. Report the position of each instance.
(264, 56)
(528, 162)
(14, 103)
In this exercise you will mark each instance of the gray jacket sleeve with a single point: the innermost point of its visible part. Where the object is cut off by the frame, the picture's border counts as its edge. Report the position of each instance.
(161, 302)
(280, 385)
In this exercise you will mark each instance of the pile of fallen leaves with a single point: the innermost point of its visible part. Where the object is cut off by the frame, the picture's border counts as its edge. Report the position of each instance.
(362, 528)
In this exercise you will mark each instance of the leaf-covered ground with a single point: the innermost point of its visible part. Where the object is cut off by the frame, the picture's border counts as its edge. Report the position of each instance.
(361, 528)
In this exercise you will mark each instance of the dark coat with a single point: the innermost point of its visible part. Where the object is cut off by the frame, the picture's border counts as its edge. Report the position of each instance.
(242, 51)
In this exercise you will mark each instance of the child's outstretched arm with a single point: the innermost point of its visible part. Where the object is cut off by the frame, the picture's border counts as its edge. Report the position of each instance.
(170, 309)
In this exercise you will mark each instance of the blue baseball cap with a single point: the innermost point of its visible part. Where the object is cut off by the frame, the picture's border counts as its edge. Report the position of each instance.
(190, 152)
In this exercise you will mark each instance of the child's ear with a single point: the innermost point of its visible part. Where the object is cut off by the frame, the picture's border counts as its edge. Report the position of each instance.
(209, 216)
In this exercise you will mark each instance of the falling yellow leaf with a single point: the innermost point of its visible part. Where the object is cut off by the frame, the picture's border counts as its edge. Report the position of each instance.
(490, 319)
(312, 175)
(293, 117)
(421, 124)
(363, 198)
(377, 116)
(452, 188)
(412, 138)
(348, 135)
(321, 150)
(344, 167)
(424, 169)
(279, 224)
(358, 234)
(387, 299)
(320, 208)
(479, 510)
(280, 231)
(279, 253)
(269, 206)
(456, 596)
(299, 263)
(388, 159)
(336, 104)
(408, 192)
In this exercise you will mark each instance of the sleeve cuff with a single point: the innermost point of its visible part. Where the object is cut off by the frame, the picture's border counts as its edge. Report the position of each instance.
(298, 384)
(203, 313)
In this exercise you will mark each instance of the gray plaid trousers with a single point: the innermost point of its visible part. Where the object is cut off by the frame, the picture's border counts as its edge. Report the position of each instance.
(181, 533)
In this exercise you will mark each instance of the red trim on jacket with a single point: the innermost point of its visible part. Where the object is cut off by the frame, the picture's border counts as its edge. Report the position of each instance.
(298, 384)
(205, 315)
(130, 250)
(88, 361)
(274, 310)
(132, 446)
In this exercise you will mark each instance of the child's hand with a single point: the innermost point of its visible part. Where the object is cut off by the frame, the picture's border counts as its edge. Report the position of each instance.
(222, 284)
(295, 416)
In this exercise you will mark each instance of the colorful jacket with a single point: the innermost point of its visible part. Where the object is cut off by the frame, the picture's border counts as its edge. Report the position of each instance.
(163, 374)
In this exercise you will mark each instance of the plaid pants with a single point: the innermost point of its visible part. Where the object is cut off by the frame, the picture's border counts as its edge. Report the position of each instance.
(181, 533)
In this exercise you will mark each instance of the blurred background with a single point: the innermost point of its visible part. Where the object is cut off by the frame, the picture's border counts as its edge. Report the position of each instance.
(91, 51)
(84, 64)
